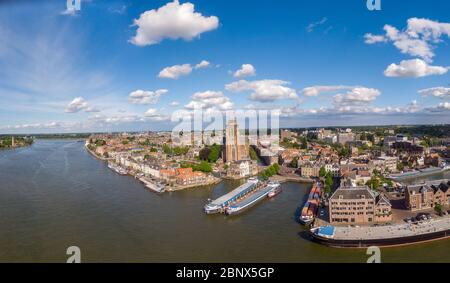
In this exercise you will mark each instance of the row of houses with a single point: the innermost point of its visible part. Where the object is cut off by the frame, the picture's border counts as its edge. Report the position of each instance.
(427, 195)
(170, 173)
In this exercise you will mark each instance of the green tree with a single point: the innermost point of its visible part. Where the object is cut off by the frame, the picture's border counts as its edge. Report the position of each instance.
(438, 208)
(203, 166)
(322, 172)
(214, 153)
(253, 154)
(294, 163)
(167, 149)
(303, 143)
(204, 153)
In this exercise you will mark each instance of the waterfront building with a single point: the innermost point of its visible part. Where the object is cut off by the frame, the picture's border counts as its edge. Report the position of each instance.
(186, 176)
(358, 205)
(427, 195)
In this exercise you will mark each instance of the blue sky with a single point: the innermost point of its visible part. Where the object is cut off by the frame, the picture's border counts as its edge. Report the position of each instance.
(322, 63)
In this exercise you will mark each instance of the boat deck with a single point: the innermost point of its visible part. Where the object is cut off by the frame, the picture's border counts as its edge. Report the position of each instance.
(253, 197)
(229, 196)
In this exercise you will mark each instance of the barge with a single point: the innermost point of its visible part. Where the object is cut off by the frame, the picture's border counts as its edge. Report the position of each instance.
(311, 207)
(252, 199)
(219, 205)
(381, 236)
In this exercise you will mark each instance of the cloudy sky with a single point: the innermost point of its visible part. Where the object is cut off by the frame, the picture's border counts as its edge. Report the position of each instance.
(129, 65)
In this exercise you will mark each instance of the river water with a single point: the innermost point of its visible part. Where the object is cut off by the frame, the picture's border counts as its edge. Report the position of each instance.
(54, 195)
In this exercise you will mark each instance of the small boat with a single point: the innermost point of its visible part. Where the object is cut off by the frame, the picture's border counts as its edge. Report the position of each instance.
(274, 192)
(310, 208)
(117, 169)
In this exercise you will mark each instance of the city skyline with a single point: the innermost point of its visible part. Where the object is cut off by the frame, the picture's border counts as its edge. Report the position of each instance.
(117, 65)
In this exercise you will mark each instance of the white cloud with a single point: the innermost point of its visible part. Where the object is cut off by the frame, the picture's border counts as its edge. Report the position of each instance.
(316, 90)
(202, 64)
(417, 39)
(174, 72)
(414, 68)
(264, 90)
(312, 26)
(359, 96)
(174, 103)
(444, 105)
(246, 70)
(78, 104)
(145, 97)
(371, 38)
(440, 108)
(116, 119)
(441, 92)
(155, 115)
(50, 125)
(173, 21)
(427, 29)
(210, 100)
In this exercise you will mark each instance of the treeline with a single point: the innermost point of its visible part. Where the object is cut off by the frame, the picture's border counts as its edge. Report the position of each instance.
(270, 171)
(6, 141)
(177, 150)
(210, 153)
(203, 166)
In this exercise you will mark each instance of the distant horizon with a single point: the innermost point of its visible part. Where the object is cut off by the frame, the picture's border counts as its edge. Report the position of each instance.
(281, 128)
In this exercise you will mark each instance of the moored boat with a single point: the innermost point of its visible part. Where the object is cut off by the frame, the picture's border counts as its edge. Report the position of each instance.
(275, 191)
(251, 199)
(117, 169)
(311, 206)
(218, 205)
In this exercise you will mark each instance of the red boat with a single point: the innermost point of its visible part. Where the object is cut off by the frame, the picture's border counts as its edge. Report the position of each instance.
(274, 192)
